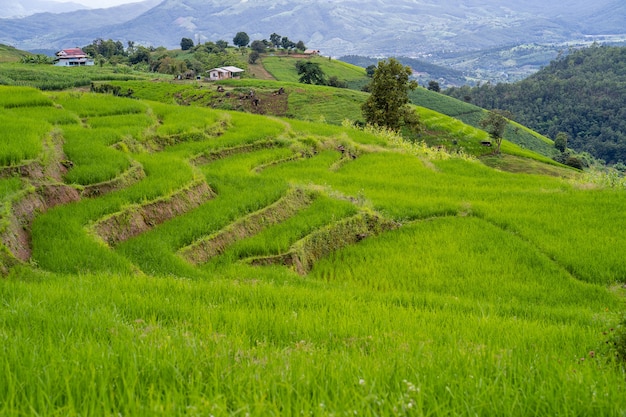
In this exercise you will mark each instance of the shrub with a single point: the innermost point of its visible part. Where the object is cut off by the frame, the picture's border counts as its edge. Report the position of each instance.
(617, 341)
(574, 162)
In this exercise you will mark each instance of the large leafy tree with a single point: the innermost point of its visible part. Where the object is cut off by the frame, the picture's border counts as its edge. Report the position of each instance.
(388, 103)
(258, 46)
(241, 39)
(495, 122)
(275, 39)
(186, 44)
(310, 73)
(286, 43)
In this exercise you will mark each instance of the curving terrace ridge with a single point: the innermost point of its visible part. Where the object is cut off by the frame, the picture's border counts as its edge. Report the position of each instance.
(122, 221)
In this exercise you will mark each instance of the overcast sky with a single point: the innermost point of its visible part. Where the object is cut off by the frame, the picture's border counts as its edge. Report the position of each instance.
(99, 4)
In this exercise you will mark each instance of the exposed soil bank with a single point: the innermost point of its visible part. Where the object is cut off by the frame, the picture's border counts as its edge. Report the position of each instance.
(203, 250)
(138, 219)
(16, 236)
(131, 176)
(321, 243)
(209, 157)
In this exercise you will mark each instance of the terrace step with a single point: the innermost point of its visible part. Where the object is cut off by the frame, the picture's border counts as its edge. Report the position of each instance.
(137, 219)
(16, 237)
(37, 170)
(208, 157)
(133, 175)
(203, 250)
(304, 253)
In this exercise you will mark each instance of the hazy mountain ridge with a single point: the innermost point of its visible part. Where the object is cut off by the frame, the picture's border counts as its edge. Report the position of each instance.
(376, 28)
(51, 31)
(22, 8)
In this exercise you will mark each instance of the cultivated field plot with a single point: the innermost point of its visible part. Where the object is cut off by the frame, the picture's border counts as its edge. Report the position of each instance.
(167, 260)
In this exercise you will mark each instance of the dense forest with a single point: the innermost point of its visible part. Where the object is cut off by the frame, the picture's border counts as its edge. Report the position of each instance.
(582, 94)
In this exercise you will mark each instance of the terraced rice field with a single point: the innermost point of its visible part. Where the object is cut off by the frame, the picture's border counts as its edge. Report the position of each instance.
(167, 260)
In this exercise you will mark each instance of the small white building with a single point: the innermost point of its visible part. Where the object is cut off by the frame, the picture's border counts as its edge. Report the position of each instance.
(72, 57)
(223, 73)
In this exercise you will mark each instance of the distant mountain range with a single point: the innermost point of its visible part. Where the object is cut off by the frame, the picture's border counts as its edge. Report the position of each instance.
(23, 8)
(437, 30)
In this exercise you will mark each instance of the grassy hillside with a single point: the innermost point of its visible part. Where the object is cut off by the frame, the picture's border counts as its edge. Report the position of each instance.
(182, 260)
(580, 94)
(282, 68)
(472, 115)
(50, 77)
(10, 54)
(336, 105)
(423, 71)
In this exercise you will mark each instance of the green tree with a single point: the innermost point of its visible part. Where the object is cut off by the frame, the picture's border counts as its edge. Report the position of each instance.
(434, 86)
(140, 54)
(186, 44)
(310, 73)
(275, 40)
(495, 122)
(334, 81)
(286, 43)
(241, 39)
(253, 57)
(300, 46)
(370, 70)
(560, 142)
(258, 46)
(388, 103)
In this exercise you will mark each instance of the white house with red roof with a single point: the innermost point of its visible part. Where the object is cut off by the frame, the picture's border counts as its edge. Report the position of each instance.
(222, 73)
(72, 57)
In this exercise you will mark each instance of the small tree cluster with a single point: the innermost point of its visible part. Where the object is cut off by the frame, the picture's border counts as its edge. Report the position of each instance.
(434, 86)
(560, 142)
(285, 43)
(108, 49)
(312, 73)
(36, 59)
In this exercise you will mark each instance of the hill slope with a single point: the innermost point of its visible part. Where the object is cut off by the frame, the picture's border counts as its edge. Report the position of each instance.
(10, 54)
(581, 94)
(167, 259)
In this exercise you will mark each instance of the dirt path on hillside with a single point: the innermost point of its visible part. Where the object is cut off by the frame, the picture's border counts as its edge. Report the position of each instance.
(258, 71)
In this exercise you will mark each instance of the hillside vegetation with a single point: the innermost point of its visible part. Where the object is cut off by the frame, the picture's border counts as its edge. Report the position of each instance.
(179, 260)
(282, 68)
(10, 54)
(167, 259)
(581, 94)
(49, 77)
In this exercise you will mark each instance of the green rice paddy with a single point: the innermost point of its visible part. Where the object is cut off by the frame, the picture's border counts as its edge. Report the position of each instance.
(495, 293)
